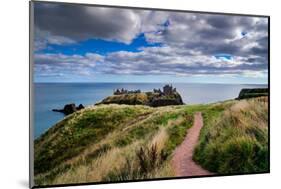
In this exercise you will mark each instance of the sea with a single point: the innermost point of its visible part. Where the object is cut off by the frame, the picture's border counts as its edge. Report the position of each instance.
(48, 96)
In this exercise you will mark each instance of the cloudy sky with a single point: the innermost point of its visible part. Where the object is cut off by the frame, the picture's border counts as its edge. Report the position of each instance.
(94, 44)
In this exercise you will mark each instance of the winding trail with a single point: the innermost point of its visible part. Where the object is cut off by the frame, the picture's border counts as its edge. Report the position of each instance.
(182, 159)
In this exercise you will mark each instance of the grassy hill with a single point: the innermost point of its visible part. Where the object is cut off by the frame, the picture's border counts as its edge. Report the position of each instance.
(97, 143)
(123, 142)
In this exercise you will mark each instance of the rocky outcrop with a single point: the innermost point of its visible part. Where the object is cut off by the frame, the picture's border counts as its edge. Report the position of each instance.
(251, 93)
(69, 108)
(80, 107)
(169, 96)
(175, 99)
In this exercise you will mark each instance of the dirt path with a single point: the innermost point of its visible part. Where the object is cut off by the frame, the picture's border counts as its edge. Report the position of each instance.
(182, 159)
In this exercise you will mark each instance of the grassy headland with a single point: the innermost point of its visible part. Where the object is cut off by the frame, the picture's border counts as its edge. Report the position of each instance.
(123, 142)
(153, 99)
(110, 142)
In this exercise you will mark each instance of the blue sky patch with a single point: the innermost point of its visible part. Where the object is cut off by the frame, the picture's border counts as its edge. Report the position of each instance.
(243, 33)
(99, 46)
(223, 56)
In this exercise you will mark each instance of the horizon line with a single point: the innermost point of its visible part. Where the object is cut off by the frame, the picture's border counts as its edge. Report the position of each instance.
(150, 83)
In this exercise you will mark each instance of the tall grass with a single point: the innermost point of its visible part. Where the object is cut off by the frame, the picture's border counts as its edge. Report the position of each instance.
(147, 161)
(76, 133)
(122, 142)
(236, 140)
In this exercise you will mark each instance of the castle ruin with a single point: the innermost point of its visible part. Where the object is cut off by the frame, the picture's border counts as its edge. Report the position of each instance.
(167, 90)
(125, 91)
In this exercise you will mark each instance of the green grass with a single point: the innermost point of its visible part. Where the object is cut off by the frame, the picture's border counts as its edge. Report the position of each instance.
(163, 119)
(84, 128)
(177, 133)
(92, 137)
(235, 140)
(124, 142)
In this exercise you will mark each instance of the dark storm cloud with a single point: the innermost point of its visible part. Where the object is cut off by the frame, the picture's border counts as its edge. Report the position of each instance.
(259, 51)
(263, 41)
(85, 22)
(215, 34)
(226, 22)
(223, 22)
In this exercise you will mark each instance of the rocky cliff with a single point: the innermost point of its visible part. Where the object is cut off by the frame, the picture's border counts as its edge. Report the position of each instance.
(145, 98)
(250, 93)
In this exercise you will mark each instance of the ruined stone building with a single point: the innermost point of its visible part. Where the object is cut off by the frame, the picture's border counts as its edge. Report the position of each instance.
(168, 90)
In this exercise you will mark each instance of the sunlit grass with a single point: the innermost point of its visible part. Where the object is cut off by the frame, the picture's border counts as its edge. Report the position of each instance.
(113, 155)
(236, 140)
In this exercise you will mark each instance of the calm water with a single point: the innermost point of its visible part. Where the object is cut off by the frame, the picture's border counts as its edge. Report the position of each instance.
(55, 95)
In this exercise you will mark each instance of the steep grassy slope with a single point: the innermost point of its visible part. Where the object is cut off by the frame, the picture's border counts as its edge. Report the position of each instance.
(236, 140)
(110, 142)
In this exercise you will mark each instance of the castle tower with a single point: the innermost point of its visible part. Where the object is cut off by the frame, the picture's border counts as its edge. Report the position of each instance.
(168, 90)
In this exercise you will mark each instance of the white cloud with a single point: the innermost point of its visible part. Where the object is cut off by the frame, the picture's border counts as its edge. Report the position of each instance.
(189, 41)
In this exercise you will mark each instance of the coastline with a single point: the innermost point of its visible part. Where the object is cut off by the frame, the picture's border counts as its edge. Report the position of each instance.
(48, 96)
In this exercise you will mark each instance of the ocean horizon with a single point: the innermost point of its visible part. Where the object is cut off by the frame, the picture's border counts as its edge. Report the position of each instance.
(48, 96)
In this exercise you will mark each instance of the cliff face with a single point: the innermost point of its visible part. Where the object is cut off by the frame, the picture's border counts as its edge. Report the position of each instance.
(146, 98)
(173, 99)
(250, 93)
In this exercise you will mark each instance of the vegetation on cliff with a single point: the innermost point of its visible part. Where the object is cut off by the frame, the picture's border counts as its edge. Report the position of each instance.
(169, 96)
(144, 98)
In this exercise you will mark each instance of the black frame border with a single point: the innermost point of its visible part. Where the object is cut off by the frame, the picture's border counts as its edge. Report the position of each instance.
(31, 35)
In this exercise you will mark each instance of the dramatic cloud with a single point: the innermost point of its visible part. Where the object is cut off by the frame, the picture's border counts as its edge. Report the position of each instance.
(76, 23)
(172, 61)
(153, 60)
(59, 64)
(190, 43)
